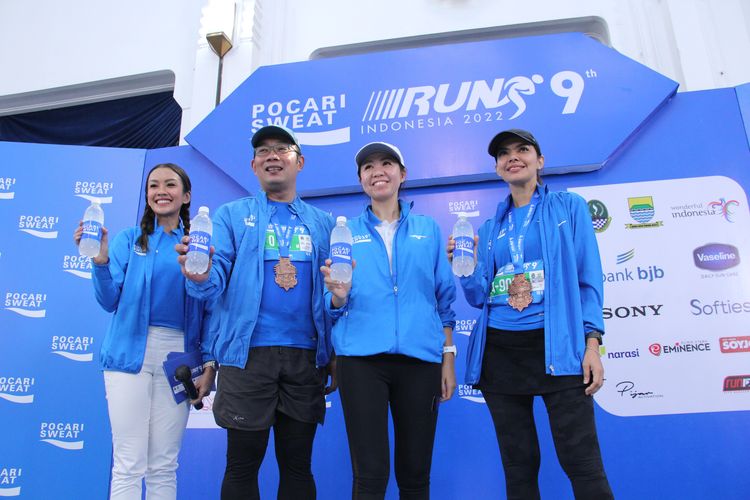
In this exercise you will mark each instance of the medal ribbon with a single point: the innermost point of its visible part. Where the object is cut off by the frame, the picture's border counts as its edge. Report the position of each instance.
(515, 240)
(285, 239)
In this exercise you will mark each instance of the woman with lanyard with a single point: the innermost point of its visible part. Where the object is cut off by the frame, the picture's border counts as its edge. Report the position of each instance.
(138, 279)
(392, 333)
(538, 281)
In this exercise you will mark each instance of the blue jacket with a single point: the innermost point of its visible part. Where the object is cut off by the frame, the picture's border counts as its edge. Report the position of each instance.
(123, 287)
(236, 277)
(402, 312)
(573, 287)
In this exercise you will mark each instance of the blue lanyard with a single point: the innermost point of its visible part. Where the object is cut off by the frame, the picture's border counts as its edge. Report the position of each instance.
(285, 239)
(516, 249)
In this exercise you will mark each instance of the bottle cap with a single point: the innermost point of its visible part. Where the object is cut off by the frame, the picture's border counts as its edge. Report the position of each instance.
(340, 219)
(203, 210)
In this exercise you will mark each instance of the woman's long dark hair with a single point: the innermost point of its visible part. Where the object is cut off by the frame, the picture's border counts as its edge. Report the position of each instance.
(149, 217)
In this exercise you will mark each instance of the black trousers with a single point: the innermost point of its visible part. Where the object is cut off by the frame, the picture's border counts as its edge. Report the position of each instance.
(293, 441)
(571, 418)
(367, 385)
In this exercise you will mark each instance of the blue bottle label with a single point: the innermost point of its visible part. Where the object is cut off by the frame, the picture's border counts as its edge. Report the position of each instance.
(341, 253)
(464, 247)
(200, 241)
(91, 230)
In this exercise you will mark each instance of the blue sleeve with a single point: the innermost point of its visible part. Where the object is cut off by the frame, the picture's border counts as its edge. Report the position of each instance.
(476, 286)
(589, 266)
(208, 331)
(225, 252)
(108, 278)
(445, 285)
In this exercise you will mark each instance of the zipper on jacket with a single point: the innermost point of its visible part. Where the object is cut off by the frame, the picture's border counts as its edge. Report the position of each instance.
(391, 267)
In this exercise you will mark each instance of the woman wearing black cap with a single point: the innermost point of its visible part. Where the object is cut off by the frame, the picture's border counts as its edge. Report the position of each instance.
(393, 332)
(538, 282)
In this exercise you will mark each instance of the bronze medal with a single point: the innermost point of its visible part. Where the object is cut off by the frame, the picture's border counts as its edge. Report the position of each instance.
(285, 274)
(519, 292)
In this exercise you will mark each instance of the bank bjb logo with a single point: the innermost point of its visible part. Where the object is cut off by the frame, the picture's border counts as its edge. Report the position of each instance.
(734, 344)
(468, 208)
(642, 211)
(65, 435)
(17, 389)
(695, 346)
(40, 226)
(737, 383)
(6, 188)
(464, 326)
(468, 393)
(648, 273)
(94, 191)
(73, 347)
(306, 117)
(622, 312)
(77, 265)
(28, 304)
(10, 484)
(716, 257)
(600, 218)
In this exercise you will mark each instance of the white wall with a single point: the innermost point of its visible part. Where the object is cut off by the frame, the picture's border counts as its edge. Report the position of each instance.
(47, 44)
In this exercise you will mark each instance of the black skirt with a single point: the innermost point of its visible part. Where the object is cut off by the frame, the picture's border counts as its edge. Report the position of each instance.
(513, 363)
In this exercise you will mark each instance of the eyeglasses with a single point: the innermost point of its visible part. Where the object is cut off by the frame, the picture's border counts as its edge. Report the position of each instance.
(279, 149)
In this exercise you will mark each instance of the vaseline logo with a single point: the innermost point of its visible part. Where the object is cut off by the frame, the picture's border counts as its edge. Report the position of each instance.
(302, 114)
(77, 265)
(716, 257)
(9, 484)
(468, 393)
(27, 304)
(94, 191)
(6, 188)
(72, 347)
(63, 435)
(464, 326)
(468, 208)
(17, 389)
(39, 225)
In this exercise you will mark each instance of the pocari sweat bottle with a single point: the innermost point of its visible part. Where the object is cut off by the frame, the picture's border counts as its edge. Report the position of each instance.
(201, 229)
(341, 251)
(463, 253)
(91, 239)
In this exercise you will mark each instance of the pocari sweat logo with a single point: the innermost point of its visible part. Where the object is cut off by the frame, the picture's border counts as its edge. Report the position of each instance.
(17, 389)
(29, 304)
(41, 226)
(469, 208)
(77, 265)
(65, 435)
(94, 191)
(75, 348)
(7, 191)
(468, 393)
(313, 119)
(10, 486)
(467, 102)
(464, 326)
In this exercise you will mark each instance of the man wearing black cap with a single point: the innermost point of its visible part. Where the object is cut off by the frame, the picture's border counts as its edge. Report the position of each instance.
(272, 337)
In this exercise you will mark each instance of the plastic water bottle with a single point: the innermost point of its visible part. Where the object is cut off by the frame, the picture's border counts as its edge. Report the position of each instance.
(463, 253)
(201, 229)
(341, 251)
(91, 239)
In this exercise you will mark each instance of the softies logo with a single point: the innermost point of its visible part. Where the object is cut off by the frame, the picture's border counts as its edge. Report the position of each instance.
(718, 307)
(716, 257)
(301, 115)
(725, 208)
(77, 265)
(9, 481)
(469, 208)
(17, 389)
(7, 188)
(734, 344)
(464, 326)
(94, 191)
(29, 304)
(737, 383)
(622, 312)
(65, 435)
(679, 347)
(41, 226)
(468, 393)
(72, 347)
(600, 218)
(642, 211)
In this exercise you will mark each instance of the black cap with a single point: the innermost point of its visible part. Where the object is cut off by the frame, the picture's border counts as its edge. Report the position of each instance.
(513, 133)
(378, 147)
(274, 131)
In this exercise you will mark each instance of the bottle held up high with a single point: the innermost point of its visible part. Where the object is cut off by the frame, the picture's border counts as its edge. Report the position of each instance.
(341, 251)
(201, 230)
(463, 253)
(91, 239)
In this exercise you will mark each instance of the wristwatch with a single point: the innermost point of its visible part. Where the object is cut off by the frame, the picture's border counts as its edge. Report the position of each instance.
(450, 348)
(594, 334)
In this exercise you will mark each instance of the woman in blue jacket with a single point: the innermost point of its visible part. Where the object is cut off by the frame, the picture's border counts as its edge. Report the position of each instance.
(393, 332)
(138, 279)
(538, 282)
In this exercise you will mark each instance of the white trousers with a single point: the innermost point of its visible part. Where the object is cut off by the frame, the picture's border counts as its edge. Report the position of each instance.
(147, 424)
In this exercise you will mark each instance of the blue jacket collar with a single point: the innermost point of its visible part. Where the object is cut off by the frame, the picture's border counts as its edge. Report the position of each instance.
(502, 208)
(404, 208)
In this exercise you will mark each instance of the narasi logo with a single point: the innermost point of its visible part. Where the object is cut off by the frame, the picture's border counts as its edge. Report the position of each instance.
(73, 347)
(40, 226)
(642, 210)
(65, 435)
(716, 257)
(600, 218)
(468, 208)
(680, 347)
(17, 389)
(734, 344)
(464, 326)
(734, 383)
(622, 312)
(77, 265)
(468, 393)
(94, 191)
(6, 188)
(306, 117)
(9, 481)
(619, 354)
(28, 304)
